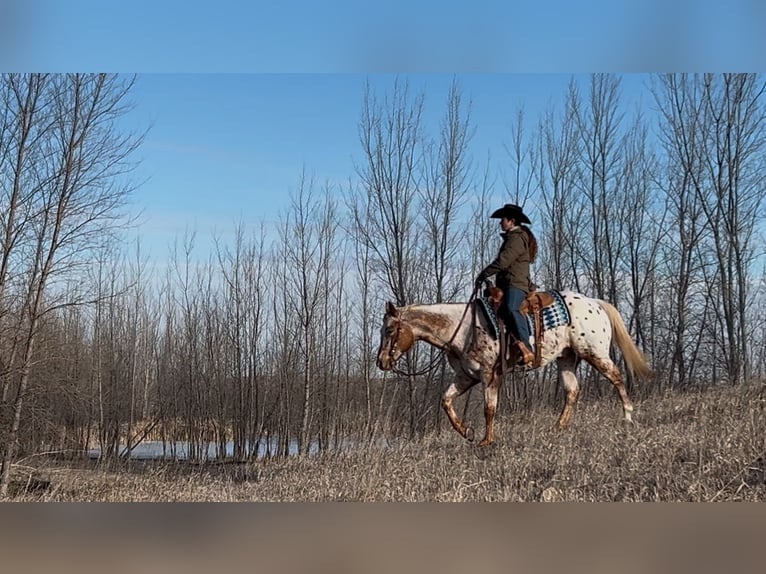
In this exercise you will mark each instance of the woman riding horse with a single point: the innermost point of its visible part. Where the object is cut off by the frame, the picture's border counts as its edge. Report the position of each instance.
(518, 250)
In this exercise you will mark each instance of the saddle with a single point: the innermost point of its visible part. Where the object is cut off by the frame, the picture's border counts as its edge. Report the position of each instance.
(532, 305)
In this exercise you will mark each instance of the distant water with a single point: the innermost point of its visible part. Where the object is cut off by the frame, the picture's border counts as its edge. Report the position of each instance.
(179, 450)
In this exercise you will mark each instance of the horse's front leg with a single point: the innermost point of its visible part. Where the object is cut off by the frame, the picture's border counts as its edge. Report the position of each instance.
(491, 388)
(455, 390)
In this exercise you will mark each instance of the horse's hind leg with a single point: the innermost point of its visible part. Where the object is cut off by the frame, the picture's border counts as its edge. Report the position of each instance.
(567, 373)
(455, 390)
(606, 367)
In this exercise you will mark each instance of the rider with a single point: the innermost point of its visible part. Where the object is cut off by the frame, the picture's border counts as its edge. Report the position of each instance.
(511, 265)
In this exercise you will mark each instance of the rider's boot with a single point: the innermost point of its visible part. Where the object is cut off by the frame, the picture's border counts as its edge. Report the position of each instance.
(526, 357)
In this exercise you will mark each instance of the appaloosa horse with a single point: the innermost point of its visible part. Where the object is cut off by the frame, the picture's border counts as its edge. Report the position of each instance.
(473, 351)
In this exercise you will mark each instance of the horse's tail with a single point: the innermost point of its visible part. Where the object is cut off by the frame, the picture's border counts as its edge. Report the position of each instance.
(634, 358)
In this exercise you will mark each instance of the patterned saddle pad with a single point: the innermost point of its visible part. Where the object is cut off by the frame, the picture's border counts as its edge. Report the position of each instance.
(489, 313)
(552, 315)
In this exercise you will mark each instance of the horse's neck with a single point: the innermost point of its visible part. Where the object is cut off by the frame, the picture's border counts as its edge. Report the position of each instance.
(436, 324)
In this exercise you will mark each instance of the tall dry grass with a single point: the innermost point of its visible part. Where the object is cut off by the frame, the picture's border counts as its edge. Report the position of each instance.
(693, 446)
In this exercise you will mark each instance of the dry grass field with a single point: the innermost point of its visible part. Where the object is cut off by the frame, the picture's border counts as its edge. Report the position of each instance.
(691, 446)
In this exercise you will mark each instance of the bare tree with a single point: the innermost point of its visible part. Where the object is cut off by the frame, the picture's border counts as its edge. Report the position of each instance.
(598, 123)
(365, 317)
(714, 134)
(559, 152)
(186, 351)
(80, 176)
(678, 100)
(385, 212)
(444, 191)
(523, 159)
(284, 348)
(242, 270)
(24, 121)
(733, 202)
(643, 229)
(482, 233)
(309, 241)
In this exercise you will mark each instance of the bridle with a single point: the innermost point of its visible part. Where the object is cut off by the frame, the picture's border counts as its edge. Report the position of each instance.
(444, 347)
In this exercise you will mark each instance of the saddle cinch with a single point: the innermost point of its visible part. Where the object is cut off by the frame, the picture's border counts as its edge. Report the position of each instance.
(532, 306)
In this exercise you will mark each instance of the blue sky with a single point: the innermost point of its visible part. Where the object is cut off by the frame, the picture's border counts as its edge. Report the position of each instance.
(228, 147)
(243, 95)
(395, 35)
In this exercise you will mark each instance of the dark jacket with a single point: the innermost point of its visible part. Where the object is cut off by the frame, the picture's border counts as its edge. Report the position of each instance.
(512, 262)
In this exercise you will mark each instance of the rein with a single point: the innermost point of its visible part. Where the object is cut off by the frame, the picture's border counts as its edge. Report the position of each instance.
(444, 347)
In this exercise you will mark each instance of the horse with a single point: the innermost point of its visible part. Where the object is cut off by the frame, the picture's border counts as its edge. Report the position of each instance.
(473, 352)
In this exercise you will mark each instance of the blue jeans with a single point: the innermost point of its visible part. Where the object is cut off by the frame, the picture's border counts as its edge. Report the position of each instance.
(513, 297)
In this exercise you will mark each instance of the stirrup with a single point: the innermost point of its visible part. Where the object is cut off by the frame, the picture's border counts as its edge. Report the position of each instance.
(526, 356)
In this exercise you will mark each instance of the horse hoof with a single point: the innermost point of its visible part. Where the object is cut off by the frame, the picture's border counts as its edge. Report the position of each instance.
(469, 434)
(482, 453)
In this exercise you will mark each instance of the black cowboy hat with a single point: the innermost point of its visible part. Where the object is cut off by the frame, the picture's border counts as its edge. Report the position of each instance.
(511, 211)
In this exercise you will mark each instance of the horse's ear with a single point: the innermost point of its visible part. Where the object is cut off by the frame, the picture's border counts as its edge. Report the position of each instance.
(391, 309)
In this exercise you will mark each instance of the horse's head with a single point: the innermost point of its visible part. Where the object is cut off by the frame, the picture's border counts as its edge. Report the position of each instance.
(396, 338)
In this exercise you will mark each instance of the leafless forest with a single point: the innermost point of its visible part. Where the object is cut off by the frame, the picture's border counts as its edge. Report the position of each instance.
(271, 341)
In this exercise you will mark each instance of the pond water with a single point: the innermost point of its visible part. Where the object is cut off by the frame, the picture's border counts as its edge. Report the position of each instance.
(179, 450)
